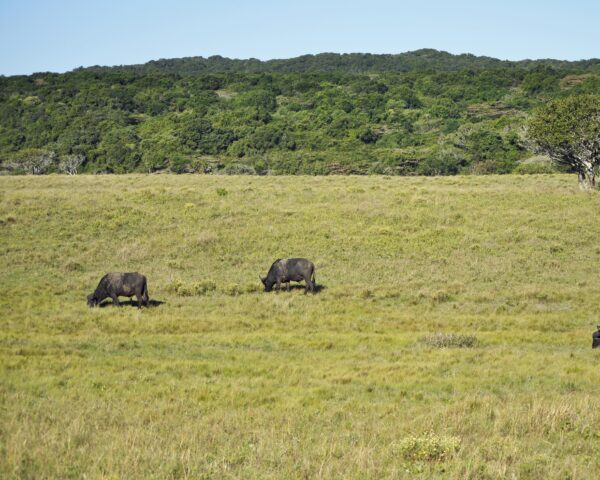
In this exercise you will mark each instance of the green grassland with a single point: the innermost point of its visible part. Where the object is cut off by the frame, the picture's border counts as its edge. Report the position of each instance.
(225, 381)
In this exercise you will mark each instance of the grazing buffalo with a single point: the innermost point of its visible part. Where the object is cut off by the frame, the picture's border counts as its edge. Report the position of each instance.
(116, 285)
(290, 270)
(596, 338)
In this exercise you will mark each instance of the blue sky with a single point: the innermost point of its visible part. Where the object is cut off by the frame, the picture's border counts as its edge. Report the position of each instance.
(59, 35)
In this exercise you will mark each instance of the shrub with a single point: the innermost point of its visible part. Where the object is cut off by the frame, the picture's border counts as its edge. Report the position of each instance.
(7, 220)
(203, 287)
(179, 164)
(368, 135)
(73, 267)
(232, 289)
(533, 168)
(253, 287)
(428, 447)
(192, 289)
(445, 162)
(239, 169)
(205, 239)
(366, 293)
(221, 192)
(450, 340)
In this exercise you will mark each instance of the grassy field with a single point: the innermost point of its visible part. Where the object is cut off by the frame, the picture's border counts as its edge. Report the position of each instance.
(222, 380)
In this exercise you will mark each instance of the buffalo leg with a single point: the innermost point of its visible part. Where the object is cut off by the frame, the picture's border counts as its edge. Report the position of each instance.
(139, 295)
(279, 285)
(115, 300)
(288, 286)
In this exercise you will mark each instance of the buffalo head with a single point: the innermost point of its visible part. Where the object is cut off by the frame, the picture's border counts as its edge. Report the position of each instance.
(92, 301)
(268, 285)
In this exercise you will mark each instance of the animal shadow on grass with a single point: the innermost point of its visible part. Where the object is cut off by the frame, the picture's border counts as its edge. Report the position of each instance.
(298, 286)
(133, 303)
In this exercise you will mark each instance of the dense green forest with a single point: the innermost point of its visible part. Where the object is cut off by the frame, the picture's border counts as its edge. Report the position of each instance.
(423, 112)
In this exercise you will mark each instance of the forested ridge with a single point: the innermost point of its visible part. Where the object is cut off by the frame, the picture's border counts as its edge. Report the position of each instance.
(423, 112)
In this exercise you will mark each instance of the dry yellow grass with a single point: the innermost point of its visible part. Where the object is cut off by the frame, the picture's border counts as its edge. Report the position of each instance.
(224, 381)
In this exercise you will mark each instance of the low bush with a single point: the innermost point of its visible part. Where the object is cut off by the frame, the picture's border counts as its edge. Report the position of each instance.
(533, 168)
(72, 266)
(428, 447)
(184, 289)
(7, 220)
(232, 289)
(450, 340)
(239, 169)
(253, 287)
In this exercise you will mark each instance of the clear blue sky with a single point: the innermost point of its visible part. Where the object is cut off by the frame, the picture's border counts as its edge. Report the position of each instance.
(59, 35)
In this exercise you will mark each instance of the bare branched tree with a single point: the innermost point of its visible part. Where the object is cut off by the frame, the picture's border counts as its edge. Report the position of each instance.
(32, 160)
(69, 164)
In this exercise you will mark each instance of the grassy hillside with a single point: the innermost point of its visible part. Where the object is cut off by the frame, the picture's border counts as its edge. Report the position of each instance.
(225, 381)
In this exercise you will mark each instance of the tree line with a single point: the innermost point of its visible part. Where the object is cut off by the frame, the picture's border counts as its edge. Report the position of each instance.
(427, 113)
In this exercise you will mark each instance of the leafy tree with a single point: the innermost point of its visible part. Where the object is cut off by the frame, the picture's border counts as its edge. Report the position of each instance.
(119, 150)
(445, 108)
(485, 144)
(444, 162)
(179, 164)
(568, 130)
(263, 100)
(368, 135)
(540, 80)
(410, 98)
(154, 160)
(488, 150)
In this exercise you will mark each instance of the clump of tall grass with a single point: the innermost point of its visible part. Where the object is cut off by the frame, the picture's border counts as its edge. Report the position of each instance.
(235, 289)
(428, 447)
(252, 287)
(206, 287)
(205, 239)
(72, 266)
(450, 340)
(190, 289)
(232, 289)
(8, 219)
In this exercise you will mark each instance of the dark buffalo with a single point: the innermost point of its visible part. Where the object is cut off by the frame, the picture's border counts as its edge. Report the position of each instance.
(596, 338)
(290, 270)
(116, 285)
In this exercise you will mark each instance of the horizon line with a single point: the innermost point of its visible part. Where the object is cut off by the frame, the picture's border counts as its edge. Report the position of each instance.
(265, 60)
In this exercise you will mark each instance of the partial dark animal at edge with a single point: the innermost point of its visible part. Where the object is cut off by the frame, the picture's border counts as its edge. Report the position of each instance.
(288, 270)
(115, 285)
(596, 338)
